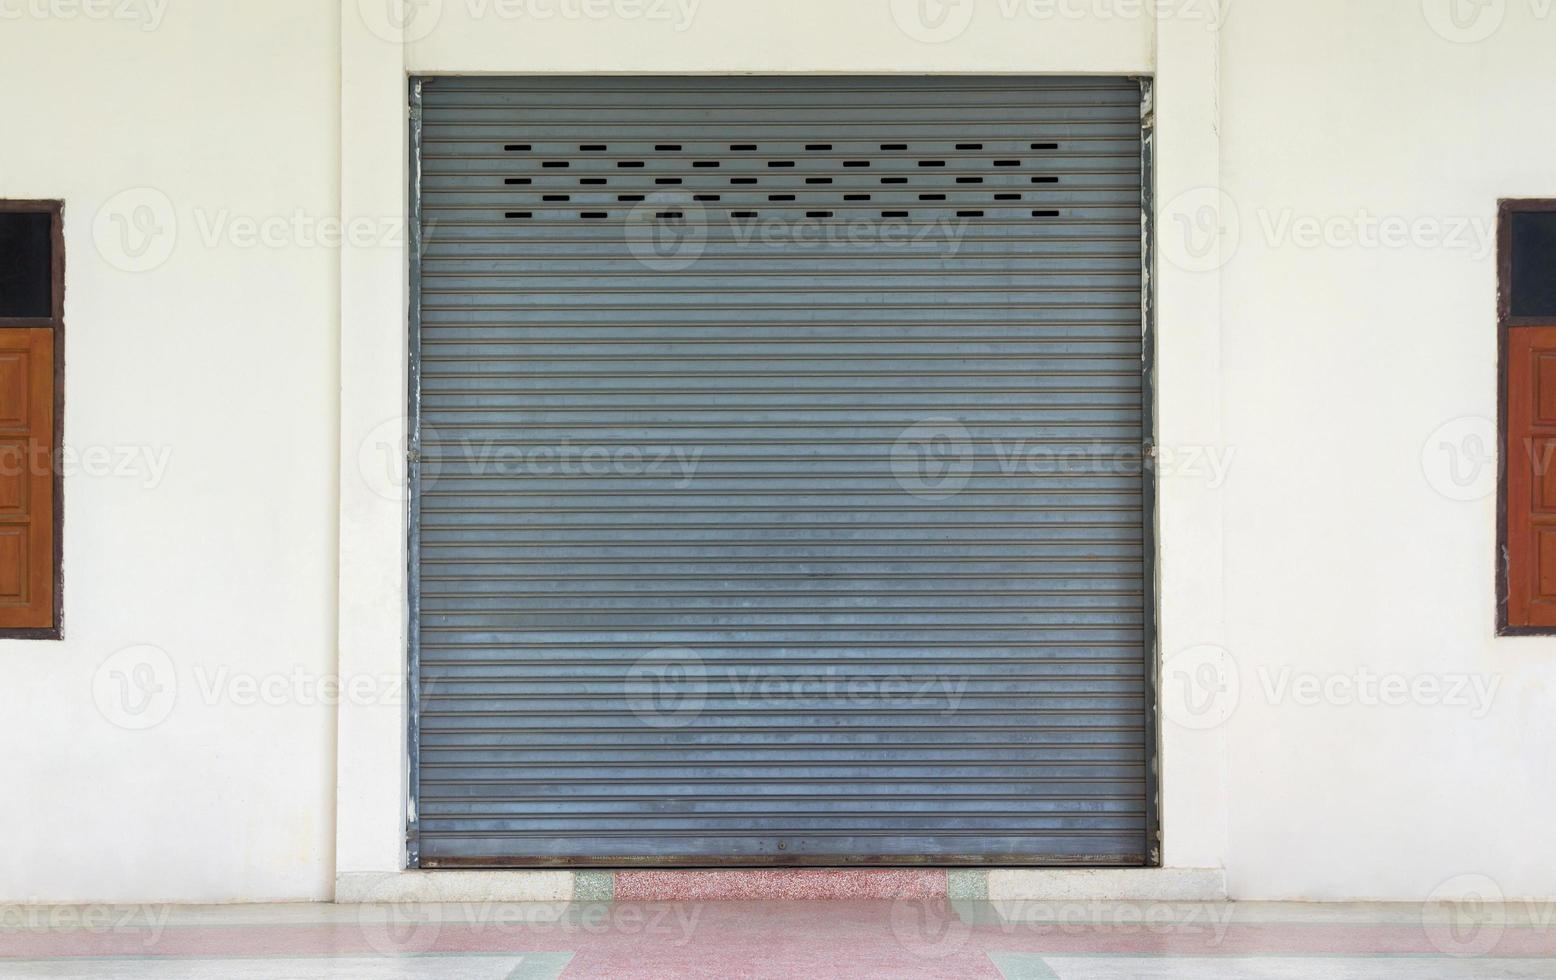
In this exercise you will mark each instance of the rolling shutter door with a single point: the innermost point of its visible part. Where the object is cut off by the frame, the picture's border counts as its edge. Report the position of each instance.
(778, 496)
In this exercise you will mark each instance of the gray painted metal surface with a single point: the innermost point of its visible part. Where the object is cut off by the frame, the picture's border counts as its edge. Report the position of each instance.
(778, 488)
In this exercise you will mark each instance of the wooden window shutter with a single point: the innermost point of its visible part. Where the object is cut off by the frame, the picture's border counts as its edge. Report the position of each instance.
(1531, 477)
(27, 501)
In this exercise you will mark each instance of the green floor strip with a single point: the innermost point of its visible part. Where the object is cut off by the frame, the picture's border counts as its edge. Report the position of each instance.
(594, 886)
(541, 966)
(1023, 966)
(967, 885)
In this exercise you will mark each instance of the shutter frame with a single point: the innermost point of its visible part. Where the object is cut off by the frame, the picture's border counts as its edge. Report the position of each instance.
(436, 828)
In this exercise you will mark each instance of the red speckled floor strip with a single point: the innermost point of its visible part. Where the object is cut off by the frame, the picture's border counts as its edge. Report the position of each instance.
(797, 885)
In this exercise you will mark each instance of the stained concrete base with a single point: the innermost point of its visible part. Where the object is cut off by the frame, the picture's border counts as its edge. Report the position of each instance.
(456, 886)
(1125, 884)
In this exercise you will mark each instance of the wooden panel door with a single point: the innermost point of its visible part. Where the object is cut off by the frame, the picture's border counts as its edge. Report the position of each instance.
(1531, 477)
(27, 478)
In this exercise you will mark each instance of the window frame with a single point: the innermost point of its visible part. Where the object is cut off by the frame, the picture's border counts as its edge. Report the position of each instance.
(56, 323)
(56, 320)
(1506, 322)
(1505, 212)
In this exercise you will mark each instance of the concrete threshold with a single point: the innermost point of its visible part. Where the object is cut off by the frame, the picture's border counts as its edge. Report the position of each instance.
(797, 884)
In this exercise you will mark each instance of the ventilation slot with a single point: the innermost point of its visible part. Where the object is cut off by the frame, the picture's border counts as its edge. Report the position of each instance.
(812, 199)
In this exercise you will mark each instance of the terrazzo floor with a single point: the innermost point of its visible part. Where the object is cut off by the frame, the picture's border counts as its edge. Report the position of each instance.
(906, 937)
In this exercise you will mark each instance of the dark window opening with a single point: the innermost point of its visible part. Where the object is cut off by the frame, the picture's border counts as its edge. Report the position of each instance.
(1534, 264)
(26, 264)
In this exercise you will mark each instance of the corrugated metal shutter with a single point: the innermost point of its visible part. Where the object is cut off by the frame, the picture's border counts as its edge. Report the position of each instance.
(779, 496)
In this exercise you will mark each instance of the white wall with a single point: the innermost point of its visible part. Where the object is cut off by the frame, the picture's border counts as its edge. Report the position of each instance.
(1333, 547)
(681, 36)
(225, 358)
(1341, 362)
